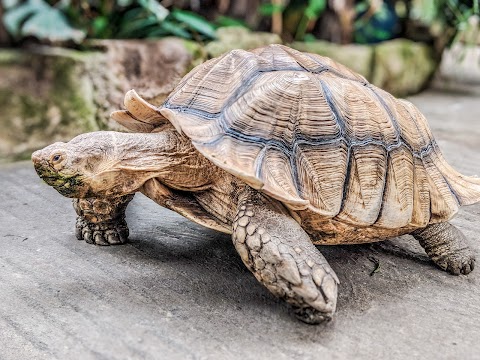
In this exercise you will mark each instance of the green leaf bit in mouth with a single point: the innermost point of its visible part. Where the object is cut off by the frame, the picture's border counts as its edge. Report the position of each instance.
(65, 185)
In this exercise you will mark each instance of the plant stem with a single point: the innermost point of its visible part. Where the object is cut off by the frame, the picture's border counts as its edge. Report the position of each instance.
(277, 25)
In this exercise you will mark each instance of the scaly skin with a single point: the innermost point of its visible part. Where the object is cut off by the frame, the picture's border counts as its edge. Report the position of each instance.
(282, 257)
(101, 221)
(447, 247)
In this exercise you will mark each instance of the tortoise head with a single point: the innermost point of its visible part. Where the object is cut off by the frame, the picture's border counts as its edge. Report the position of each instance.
(91, 165)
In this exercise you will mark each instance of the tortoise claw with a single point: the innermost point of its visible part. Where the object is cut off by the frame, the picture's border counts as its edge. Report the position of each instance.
(105, 233)
(311, 316)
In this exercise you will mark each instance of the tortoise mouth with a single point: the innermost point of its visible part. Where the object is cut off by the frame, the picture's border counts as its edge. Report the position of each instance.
(69, 186)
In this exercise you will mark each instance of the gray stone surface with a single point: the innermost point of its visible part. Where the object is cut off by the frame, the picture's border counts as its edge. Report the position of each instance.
(179, 291)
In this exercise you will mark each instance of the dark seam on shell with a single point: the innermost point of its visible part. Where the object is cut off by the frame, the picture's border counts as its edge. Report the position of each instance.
(393, 119)
(333, 71)
(259, 161)
(341, 123)
(346, 179)
(380, 211)
(293, 159)
(331, 104)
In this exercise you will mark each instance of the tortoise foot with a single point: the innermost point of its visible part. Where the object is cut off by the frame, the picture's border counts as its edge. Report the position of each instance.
(105, 233)
(447, 247)
(101, 221)
(282, 257)
(461, 262)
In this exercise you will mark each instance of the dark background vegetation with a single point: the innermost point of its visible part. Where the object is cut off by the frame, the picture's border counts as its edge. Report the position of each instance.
(71, 22)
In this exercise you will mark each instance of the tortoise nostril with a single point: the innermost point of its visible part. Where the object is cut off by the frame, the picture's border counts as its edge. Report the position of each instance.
(36, 156)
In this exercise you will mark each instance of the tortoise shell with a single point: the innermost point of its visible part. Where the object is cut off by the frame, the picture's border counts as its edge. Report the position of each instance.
(317, 136)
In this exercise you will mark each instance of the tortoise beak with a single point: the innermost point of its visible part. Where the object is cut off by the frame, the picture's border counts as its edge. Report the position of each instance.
(36, 157)
(39, 162)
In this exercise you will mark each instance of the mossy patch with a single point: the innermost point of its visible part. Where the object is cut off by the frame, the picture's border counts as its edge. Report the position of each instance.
(43, 98)
(403, 67)
(237, 37)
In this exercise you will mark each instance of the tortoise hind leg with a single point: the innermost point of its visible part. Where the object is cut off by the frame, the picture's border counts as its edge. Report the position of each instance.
(101, 221)
(447, 247)
(282, 257)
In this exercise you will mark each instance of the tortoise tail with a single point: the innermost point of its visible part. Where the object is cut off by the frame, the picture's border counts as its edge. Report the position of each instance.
(465, 188)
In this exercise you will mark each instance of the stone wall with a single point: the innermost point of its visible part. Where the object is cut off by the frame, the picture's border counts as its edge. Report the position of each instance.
(459, 69)
(401, 67)
(52, 94)
(45, 96)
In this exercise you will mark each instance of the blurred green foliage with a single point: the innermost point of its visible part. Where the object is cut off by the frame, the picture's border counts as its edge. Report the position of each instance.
(361, 21)
(74, 20)
(37, 18)
(441, 15)
(379, 25)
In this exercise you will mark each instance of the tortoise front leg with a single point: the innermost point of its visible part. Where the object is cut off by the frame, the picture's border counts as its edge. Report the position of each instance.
(101, 221)
(447, 247)
(282, 257)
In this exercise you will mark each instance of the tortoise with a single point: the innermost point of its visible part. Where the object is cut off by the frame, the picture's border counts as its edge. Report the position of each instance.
(283, 150)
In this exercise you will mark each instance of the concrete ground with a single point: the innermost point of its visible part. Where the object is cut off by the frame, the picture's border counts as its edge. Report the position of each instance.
(179, 291)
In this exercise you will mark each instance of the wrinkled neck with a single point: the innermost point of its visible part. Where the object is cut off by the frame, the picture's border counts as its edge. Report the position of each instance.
(168, 156)
(147, 152)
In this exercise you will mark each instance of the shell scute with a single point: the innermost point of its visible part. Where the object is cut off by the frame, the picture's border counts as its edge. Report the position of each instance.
(397, 204)
(322, 172)
(279, 178)
(365, 185)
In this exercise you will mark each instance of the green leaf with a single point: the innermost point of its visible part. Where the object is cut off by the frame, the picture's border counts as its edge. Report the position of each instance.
(194, 22)
(361, 7)
(268, 9)
(7, 4)
(51, 24)
(382, 13)
(309, 38)
(168, 27)
(99, 25)
(137, 28)
(14, 18)
(426, 10)
(39, 19)
(124, 3)
(382, 34)
(155, 8)
(315, 8)
(223, 21)
(132, 14)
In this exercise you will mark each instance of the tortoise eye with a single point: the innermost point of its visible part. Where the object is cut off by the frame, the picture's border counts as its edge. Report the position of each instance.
(56, 158)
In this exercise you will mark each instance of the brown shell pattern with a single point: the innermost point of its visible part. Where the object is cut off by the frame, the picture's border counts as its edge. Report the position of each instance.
(314, 134)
